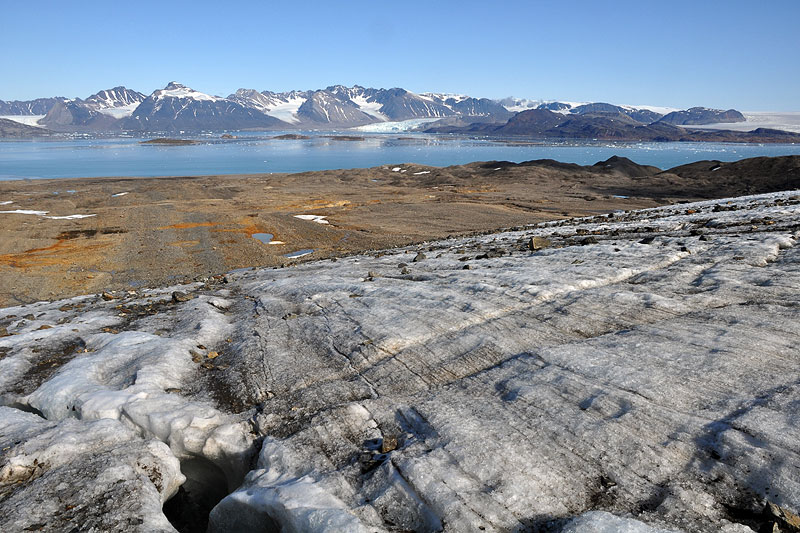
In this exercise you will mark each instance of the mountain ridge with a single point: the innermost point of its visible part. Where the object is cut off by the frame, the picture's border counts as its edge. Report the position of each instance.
(179, 108)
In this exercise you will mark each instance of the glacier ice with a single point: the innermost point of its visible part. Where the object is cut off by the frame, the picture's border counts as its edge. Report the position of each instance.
(639, 374)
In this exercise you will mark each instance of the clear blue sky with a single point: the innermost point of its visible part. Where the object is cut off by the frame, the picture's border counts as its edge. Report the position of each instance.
(740, 54)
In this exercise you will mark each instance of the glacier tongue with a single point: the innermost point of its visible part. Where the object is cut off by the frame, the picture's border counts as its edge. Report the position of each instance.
(635, 372)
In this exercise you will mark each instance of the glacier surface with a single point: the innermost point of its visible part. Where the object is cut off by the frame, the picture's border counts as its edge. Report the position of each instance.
(636, 372)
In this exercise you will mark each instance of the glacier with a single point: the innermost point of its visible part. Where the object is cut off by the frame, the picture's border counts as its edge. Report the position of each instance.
(636, 371)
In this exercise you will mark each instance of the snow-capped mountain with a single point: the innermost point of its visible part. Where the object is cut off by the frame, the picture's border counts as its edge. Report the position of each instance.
(343, 106)
(645, 116)
(515, 105)
(461, 104)
(324, 107)
(99, 111)
(39, 106)
(178, 107)
(283, 106)
(118, 102)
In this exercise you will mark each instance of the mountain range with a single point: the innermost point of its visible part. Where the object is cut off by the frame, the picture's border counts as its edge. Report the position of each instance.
(178, 108)
(617, 125)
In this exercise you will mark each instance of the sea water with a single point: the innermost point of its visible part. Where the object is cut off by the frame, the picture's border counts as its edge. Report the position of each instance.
(71, 157)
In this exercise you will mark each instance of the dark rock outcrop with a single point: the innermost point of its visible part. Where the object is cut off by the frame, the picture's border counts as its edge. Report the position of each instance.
(702, 115)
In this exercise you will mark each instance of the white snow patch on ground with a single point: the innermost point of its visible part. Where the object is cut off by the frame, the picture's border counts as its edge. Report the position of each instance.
(69, 217)
(44, 214)
(115, 195)
(319, 219)
(6, 202)
(422, 172)
(28, 120)
(26, 212)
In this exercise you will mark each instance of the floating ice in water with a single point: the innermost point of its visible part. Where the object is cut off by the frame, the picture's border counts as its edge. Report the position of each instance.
(299, 253)
(119, 194)
(423, 172)
(263, 237)
(319, 219)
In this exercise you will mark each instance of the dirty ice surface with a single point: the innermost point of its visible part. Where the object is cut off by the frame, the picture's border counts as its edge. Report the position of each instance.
(637, 372)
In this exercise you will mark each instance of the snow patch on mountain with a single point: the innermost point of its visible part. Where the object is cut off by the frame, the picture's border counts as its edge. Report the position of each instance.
(654, 108)
(28, 120)
(286, 108)
(121, 111)
(440, 98)
(369, 107)
(176, 90)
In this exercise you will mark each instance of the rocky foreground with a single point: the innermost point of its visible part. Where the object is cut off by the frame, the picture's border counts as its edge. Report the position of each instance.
(98, 234)
(631, 372)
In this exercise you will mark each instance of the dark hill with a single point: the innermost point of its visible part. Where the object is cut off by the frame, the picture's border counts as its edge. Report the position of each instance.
(9, 128)
(76, 116)
(702, 115)
(748, 176)
(546, 125)
(625, 166)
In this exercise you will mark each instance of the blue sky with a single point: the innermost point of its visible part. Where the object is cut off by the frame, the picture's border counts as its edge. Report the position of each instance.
(744, 55)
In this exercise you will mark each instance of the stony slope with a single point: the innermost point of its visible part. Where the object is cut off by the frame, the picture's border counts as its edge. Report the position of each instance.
(637, 371)
(702, 115)
(9, 128)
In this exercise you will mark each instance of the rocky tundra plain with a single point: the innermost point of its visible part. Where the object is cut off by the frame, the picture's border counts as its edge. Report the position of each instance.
(636, 371)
